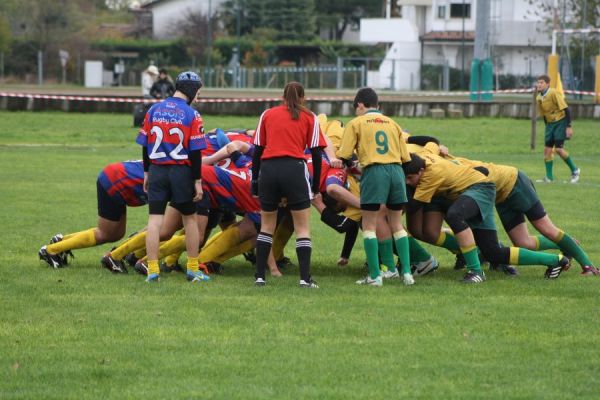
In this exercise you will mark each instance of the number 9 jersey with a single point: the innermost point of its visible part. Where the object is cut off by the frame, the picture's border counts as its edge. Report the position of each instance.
(170, 131)
(376, 138)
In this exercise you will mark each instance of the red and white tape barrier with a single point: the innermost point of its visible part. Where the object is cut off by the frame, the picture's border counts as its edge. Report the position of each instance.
(268, 99)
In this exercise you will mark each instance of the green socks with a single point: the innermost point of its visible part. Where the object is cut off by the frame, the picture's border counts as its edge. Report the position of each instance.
(448, 241)
(569, 246)
(570, 163)
(549, 164)
(402, 246)
(372, 252)
(529, 257)
(417, 252)
(543, 243)
(472, 258)
(386, 251)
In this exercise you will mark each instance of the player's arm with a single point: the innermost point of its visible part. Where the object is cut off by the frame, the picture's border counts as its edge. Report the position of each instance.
(146, 162)
(343, 196)
(562, 105)
(422, 140)
(258, 151)
(330, 151)
(195, 157)
(316, 159)
(234, 150)
(569, 131)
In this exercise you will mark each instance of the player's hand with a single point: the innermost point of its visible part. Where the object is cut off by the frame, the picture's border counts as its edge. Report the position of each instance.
(198, 191)
(254, 185)
(336, 163)
(443, 150)
(569, 132)
(342, 261)
(145, 182)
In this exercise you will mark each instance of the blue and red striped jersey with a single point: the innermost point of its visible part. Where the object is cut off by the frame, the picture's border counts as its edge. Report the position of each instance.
(171, 130)
(124, 182)
(229, 186)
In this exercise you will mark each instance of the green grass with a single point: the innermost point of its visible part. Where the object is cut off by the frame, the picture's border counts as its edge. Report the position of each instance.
(81, 332)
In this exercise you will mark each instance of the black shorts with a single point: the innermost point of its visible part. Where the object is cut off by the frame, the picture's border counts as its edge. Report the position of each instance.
(108, 207)
(284, 177)
(171, 183)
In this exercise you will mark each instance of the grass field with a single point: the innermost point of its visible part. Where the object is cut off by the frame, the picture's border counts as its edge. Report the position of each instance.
(81, 332)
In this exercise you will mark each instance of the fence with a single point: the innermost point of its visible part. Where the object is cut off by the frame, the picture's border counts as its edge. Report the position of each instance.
(319, 77)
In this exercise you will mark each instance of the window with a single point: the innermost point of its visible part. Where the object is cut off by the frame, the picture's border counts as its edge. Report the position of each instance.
(441, 14)
(459, 10)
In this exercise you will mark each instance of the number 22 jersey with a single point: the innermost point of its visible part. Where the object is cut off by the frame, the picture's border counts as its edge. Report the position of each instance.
(171, 130)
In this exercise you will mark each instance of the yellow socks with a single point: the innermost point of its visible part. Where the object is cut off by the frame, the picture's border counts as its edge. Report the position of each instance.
(219, 244)
(136, 242)
(174, 245)
(153, 267)
(79, 240)
(235, 251)
(192, 264)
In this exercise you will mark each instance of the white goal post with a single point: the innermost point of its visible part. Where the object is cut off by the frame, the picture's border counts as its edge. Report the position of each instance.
(565, 32)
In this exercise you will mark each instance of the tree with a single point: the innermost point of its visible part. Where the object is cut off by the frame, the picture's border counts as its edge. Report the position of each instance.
(292, 19)
(5, 35)
(338, 15)
(192, 28)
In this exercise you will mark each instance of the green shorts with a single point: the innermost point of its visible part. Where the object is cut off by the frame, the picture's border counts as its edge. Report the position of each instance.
(520, 200)
(484, 195)
(555, 133)
(383, 184)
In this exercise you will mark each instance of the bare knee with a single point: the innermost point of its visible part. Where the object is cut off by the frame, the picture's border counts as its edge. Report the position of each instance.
(109, 236)
(527, 242)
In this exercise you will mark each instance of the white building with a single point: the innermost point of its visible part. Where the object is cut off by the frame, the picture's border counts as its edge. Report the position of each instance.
(519, 42)
(166, 14)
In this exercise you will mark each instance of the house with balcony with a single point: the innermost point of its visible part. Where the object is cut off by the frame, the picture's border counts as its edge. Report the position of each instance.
(442, 32)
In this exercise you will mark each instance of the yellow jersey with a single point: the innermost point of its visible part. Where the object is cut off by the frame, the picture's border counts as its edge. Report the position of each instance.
(376, 138)
(503, 176)
(551, 105)
(444, 178)
(334, 130)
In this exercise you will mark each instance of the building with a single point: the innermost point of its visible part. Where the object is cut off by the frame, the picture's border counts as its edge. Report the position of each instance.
(160, 17)
(445, 34)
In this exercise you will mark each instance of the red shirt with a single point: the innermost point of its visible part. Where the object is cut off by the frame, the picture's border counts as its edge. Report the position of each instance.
(281, 136)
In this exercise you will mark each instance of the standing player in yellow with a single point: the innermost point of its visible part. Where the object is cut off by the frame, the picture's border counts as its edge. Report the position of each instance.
(381, 151)
(556, 114)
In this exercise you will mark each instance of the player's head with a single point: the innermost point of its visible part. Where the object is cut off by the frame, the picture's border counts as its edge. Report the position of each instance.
(293, 97)
(543, 81)
(413, 169)
(188, 83)
(365, 98)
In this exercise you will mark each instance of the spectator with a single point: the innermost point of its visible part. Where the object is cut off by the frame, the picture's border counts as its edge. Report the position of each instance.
(163, 87)
(148, 78)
